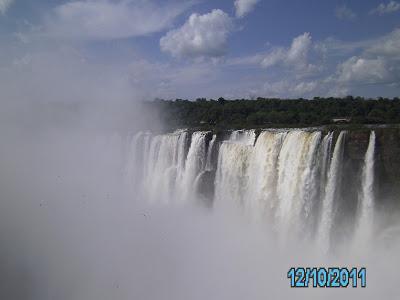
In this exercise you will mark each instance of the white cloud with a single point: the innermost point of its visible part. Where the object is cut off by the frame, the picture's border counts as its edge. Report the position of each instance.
(305, 88)
(383, 8)
(378, 63)
(298, 52)
(287, 88)
(243, 7)
(345, 13)
(5, 5)
(387, 46)
(345, 68)
(201, 36)
(106, 19)
(363, 70)
(276, 56)
(296, 56)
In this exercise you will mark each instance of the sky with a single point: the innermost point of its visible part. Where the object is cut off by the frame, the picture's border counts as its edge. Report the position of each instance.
(147, 49)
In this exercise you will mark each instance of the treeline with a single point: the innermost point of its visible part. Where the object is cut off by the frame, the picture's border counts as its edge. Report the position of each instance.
(264, 112)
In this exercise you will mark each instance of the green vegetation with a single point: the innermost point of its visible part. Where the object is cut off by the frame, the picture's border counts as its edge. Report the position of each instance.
(224, 114)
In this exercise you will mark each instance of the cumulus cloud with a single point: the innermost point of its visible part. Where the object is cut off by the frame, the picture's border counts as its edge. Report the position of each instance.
(363, 70)
(304, 88)
(201, 36)
(378, 63)
(345, 13)
(276, 56)
(363, 63)
(5, 5)
(345, 67)
(243, 7)
(296, 56)
(325, 68)
(106, 19)
(387, 46)
(388, 8)
(298, 52)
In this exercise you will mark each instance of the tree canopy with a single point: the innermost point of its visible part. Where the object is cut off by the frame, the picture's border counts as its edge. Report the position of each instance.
(263, 112)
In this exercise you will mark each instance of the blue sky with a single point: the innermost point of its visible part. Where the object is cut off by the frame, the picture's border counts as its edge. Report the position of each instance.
(148, 49)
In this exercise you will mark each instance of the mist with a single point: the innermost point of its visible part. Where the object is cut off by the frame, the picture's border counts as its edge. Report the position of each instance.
(71, 227)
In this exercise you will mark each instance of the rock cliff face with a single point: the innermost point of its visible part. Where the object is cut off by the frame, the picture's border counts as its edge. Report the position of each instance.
(387, 149)
(389, 152)
(356, 144)
(387, 158)
(388, 164)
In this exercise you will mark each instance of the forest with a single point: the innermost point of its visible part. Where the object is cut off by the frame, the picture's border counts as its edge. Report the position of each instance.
(267, 113)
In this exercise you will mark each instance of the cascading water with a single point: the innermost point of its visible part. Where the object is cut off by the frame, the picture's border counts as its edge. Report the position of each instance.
(325, 154)
(366, 199)
(163, 164)
(195, 164)
(331, 191)
(263, 177)
(287, 178)
(295, 178)
(246, 137)
(231, 179)
(209, 165)
(170, 167)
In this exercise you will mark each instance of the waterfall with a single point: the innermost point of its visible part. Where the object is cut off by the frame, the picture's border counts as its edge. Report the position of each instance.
(162, 167)
(325, 154)
(263, 174)
(194, 165)
(366, 198)
(246, 137)
(296, 172)
(163, 159)
(231, 179)
(275, 175)
(290, 179)
(331, 193)
(232, 171)
(209, 166)
(247, 174)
